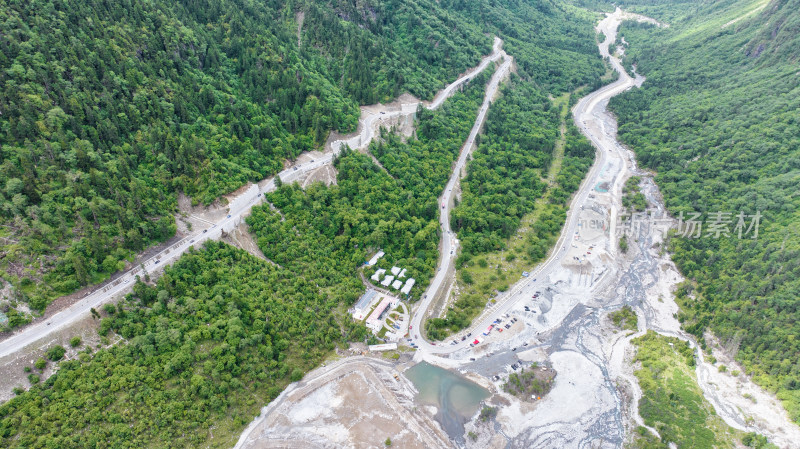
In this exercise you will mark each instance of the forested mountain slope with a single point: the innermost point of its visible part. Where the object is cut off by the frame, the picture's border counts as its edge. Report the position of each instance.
(719, 120)
(108, 110)
(221, 332)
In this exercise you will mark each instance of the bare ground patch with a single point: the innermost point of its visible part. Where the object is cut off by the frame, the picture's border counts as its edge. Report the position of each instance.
(354, 402)
(242, 239)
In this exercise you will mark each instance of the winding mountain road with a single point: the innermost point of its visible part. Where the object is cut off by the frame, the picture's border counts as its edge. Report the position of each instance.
(449, 243)
(585, 407)
(588, 115)
(239, 208)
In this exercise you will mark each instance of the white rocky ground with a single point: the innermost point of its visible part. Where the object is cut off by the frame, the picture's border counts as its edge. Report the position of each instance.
(355, 402)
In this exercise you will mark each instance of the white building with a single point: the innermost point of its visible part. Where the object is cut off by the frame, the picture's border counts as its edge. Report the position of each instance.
(364, 303)
(377, 276)
(383, 347)
(407, 288)
(375, 320)
(402, 273)
(395, 270)
(375, 258)
(387, 280)
(397, 284)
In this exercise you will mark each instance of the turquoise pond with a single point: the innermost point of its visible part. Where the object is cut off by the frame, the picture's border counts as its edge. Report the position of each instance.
(456, 397)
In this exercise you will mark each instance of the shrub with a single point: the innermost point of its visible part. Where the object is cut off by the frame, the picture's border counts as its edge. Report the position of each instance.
(56, 353)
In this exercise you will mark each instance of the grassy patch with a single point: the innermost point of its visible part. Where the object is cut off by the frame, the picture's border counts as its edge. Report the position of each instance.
(534, 381)
(625, 318)
(382, 332)
(672, 401)
(633, 199)
(488, 413)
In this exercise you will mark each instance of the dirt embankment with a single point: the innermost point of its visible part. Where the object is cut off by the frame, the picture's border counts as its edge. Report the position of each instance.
(242, 239)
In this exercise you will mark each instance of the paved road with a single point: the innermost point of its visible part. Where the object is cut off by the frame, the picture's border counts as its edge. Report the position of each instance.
(371, 122)
(587, 115)
(239, 208)
(449, 245)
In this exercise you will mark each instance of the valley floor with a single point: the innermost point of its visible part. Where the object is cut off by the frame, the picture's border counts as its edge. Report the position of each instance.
(594, 401)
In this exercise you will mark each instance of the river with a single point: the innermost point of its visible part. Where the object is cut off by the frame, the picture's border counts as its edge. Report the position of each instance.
(594, 401)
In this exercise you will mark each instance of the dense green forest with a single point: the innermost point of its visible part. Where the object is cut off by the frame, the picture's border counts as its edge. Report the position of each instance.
(504, 179)
(370, 208)
(717, 119)
(204, 334)
(109, 111)
(507, 174)
(218, 336)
